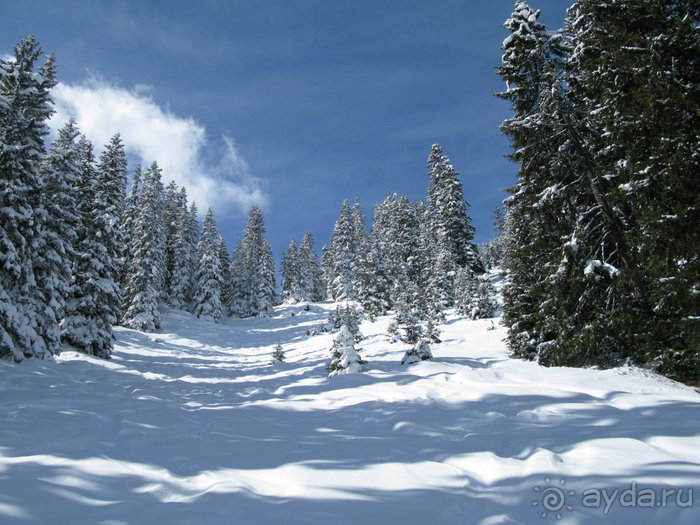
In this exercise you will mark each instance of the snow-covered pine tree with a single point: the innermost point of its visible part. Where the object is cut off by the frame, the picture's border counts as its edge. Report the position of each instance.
(342, 253)
(240, 285)
(369, 281)
(278, 354)
(25, 106)
(327, 275)
(145, 284)
(93, 306)
(633, 75)
(206, 301)
(451, 225)
(172, 206)
(253, 271)
(475, 296)
(184, 254)
(420, 352)
(311, 286)
(344, 357)
(66, 169)
(411, 310)
(126, 229)
(111, 186)
(532, 233)
(291, 274)
(266, 293)
(225, 262)
(395, 234)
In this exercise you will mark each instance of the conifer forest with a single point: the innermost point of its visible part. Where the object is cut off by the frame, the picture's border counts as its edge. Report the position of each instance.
(594, 268)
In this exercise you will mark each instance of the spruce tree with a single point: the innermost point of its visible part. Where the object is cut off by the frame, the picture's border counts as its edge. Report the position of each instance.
(93, 306)
(126, 229)
(240, 284)
(146, 277)
(475, 296)
(291, 274)
(206, 301)
(184, 254)
(311, 286)
(66, 170)
(25, 106)
(343, 248)
(344, 357)
(225, 265)
(633, 76)
(451, 225)
(253, 290)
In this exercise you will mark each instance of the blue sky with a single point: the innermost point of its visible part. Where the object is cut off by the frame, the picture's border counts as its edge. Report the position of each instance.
(296, 104)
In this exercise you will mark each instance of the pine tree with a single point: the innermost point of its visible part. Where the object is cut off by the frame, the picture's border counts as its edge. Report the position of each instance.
(225, 265)
(475, 296)
(538, 215)
(395, 234)
(126, 229)
(311, 286)
(344, 357)
(25, 106)
(291, 274)
(342, 253)
(632, 74)
(369, 281)
(184, 254)
(451, 225)
(145, 285)
(240, 284)
(253, 290)
(206, 302)
(172, 207)
(266, 292)
(278, 354)
(420, 352)
(69, 159)
(93, 306)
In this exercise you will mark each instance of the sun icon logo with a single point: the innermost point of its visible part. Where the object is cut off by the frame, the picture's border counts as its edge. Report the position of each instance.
(552, 498)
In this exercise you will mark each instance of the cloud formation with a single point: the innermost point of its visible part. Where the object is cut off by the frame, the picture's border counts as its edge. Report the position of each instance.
(150, 132)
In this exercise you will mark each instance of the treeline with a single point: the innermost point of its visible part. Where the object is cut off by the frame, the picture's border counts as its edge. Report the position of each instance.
(80, 254)
(419, 259)
(602, 229)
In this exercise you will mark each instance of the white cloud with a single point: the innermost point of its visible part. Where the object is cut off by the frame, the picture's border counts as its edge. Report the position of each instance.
(150, 133)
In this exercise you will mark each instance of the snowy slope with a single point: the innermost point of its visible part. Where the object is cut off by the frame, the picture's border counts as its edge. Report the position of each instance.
(195, 425)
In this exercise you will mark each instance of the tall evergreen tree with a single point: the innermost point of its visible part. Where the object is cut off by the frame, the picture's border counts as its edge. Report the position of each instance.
(145, 285)
(451, 225)
(225, 265)
(206, 301)
(253, 291)
(172, 209)
(603, 134)
(94, 305)
(343, 248)
(25, 106)
(126, 229)
(311, 287)
(68, 166)
(291, 276)
(184, 254)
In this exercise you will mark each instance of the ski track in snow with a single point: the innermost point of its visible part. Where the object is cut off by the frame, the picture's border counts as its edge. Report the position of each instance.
(194, 424)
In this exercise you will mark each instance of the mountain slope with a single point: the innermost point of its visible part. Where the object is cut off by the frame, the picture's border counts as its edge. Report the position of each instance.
(196, 425)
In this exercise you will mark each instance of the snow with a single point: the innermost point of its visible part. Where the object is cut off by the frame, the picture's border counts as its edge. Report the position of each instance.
(195, 425)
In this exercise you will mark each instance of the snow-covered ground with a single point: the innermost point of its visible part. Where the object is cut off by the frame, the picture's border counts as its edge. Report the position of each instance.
(194, 424)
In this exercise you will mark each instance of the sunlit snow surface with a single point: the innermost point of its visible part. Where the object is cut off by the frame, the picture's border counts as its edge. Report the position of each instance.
(195, 424)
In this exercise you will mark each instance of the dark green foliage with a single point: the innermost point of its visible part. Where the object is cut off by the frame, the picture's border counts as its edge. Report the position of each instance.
(600, 239)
